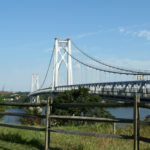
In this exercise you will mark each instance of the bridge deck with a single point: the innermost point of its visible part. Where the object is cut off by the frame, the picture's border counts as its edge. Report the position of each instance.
(126, 89)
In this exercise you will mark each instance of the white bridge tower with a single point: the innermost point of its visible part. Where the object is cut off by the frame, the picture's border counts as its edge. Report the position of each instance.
(60, 57)
(35, 87)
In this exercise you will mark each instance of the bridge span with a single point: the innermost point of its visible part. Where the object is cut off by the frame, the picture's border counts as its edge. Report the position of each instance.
(123, 90)
(100, 72)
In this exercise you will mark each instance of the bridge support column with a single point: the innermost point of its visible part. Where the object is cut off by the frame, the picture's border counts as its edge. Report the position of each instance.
(60, 57)
(34, 87)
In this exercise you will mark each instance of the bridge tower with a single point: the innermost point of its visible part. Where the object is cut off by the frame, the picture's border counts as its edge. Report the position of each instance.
(35, 87)
(59, 57)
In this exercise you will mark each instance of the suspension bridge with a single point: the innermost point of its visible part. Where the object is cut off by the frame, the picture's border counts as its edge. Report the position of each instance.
(100, 77)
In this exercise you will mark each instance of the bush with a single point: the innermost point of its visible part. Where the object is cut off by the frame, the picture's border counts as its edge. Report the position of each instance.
(81, 95)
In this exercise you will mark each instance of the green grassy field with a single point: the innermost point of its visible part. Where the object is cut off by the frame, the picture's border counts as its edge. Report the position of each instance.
(17, 139)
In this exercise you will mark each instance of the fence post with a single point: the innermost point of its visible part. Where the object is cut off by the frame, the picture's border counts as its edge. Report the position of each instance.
(47, 124)
(114, 128)
(136, 122)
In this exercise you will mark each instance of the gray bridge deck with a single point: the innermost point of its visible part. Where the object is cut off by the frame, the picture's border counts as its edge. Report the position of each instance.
(126, 89)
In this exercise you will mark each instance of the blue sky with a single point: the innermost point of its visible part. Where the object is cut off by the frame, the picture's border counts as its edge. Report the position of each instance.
(117, 32)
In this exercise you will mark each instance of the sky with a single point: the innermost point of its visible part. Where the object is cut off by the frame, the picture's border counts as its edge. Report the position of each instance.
(116, 32)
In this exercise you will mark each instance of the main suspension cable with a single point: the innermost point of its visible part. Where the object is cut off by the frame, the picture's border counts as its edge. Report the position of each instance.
(105, 70)
(47, 69)
(105, 64)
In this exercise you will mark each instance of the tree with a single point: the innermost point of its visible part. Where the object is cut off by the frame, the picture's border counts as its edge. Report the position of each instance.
(2, 108)
(81, 95)
(1, 97)
(30, 120)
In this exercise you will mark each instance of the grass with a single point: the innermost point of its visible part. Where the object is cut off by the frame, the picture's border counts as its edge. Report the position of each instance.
(17, 139)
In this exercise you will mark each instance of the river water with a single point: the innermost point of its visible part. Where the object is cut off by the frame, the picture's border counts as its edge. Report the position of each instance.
(117, 112)
(127, 113)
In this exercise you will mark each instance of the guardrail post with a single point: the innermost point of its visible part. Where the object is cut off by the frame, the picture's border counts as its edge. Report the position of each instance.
(136, 122)
(47, 124)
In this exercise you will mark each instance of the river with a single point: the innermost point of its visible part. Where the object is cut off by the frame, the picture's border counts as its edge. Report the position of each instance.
(117, 112)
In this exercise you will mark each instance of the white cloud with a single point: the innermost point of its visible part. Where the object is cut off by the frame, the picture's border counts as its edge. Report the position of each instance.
(135, 32)
(121, 30)
(83, 35)
(48, 50)
(144, 33)
(77, 66)
(129, 63)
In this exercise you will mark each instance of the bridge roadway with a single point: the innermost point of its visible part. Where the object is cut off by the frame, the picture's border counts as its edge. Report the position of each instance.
(123, 89)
